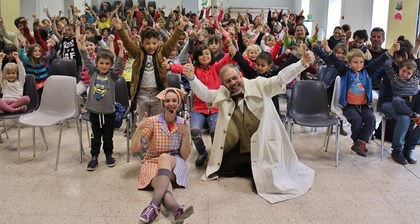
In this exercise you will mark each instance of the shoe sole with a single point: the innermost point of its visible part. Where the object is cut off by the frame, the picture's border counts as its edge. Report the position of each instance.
(359, 153)
(187, 213)
(91, 169)
(111, 165)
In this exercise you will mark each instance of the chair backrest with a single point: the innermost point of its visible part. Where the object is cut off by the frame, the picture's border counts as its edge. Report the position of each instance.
(61, 66)
(142, 4)
(121, 92)
(309, 98)
(128, 4)
(29, 89)
(174, 80)
(335, 108)
(59, 96)
(114, 5)
(151, 4)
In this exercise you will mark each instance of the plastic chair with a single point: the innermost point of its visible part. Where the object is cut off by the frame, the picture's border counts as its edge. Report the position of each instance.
(61, 66)
(335, 106)
(29, 89)
(58, 104)
(128, 4)
(151, 4)
(121, 96)
(308, 106)
(142, 4)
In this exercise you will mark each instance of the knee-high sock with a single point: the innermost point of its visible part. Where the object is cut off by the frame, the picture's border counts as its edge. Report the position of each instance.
(161, 185)
(169, 202)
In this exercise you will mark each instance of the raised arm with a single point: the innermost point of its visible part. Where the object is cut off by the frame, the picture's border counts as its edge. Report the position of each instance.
(197, 86)
(57, 34)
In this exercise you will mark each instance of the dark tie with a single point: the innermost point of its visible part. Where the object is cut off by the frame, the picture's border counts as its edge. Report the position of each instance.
(237, 97)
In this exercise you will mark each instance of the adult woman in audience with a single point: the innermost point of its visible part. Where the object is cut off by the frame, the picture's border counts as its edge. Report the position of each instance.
(405, 136)
(169, 143)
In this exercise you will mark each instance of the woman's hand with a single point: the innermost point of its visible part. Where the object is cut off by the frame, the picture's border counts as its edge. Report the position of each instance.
(184, 129)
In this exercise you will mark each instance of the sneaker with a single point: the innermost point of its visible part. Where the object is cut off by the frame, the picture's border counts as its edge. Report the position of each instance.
(183, 212)
(399, 158)
(363, 147)
(358, 148)
(149, 214)
(201, 159)
(416, 120)
(110, 161)
(93, 163)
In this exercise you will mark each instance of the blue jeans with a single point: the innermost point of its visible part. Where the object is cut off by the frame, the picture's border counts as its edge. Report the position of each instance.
(403, 137)
(362, 121)
(197, 125)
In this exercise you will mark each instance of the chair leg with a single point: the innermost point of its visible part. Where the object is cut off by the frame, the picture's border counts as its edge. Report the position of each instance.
(79, 132)
(327, 138)
(5, 129)
(337, 144)
(87, 131)
(291, 131)
(383, 136)
(43, 137)
(128, 128)
(19, 142)
(59, 144)
(33, 141)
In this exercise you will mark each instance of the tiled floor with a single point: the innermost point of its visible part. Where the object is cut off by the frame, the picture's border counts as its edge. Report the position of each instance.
(359, 190)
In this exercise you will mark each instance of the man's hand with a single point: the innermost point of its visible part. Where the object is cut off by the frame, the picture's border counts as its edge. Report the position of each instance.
(189, 69)
(308, 57)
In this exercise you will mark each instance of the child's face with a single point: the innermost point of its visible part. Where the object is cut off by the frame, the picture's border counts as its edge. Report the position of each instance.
(135, 31)
(340, 54)
(11, 76)
(69, 31)
(247, 41)
(150, 45)
(262, 66)
(357, 63)
(46, 24)
(358, 42)
(337, 34)
(37, 53)
(406, 73)
(252, 54)
(181, 40)
(10, 57)
(205, 58)
(103, 19)
(105, 32)
(231, 30)
(270, 42)
(214, 46)
(104, 65)
(90, 47)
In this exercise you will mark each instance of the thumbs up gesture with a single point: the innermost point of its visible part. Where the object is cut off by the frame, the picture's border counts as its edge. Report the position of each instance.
(189, 69)
(145, 122)
(307, 56)
(184, 128)
(165, 64)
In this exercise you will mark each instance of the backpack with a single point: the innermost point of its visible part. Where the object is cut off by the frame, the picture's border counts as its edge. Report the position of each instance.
(119, 114)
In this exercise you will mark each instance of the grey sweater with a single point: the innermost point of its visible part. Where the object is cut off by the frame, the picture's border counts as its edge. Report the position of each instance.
(101, 95)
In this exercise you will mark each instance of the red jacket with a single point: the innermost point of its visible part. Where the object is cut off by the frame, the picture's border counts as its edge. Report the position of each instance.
(209, 78)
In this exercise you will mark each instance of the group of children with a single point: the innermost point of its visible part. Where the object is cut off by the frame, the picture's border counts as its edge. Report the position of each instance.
(258, 48)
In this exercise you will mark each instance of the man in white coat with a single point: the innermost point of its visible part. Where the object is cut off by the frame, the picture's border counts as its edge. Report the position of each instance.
(249, 134)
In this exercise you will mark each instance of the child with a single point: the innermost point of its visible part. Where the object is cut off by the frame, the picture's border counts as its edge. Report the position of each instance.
(100, 100)
(214, 42)
(406, 99)
(36, 63)
(12, 80)
(251, 53)
(207, 71)
(356, 93)
(148, 76)
(81, 87)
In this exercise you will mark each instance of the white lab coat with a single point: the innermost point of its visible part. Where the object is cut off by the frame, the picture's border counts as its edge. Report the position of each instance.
(277, 173)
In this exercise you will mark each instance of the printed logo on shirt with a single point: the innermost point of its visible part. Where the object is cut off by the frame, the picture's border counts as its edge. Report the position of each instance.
(100, 87)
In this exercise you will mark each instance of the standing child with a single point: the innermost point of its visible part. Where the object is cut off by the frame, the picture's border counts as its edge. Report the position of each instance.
(356, 93)
(100, 100)
(12, 81)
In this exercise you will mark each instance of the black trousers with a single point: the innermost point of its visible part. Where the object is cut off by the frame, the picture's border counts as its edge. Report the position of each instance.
(102, 129)
(235, 163)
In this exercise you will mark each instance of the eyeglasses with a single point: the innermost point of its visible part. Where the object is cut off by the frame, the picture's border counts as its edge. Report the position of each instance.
(233, 78)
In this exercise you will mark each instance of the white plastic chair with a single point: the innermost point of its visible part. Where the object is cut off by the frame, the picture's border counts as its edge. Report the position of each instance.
(335, 107)
(58, 104)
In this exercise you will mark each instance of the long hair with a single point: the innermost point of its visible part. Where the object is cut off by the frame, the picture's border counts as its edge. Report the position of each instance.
(32, 60)
(9, 68)
(198, 52)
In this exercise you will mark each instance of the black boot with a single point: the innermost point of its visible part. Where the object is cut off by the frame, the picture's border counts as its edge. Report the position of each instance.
(408, 155)
(201, 159)
(398, 157)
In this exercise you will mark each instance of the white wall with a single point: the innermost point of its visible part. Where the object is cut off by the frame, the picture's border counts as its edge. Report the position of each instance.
(257, 4)
(357, 13)
(319, 11)
(31, 7)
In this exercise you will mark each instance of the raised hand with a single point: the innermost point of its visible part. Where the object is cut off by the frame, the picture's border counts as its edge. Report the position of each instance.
(395, 47)
(324, 45)
(184, 128)
(189, 69)
(145, 122)
(165, 64)
(308, 57)
(117, 23)
(2, 56)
